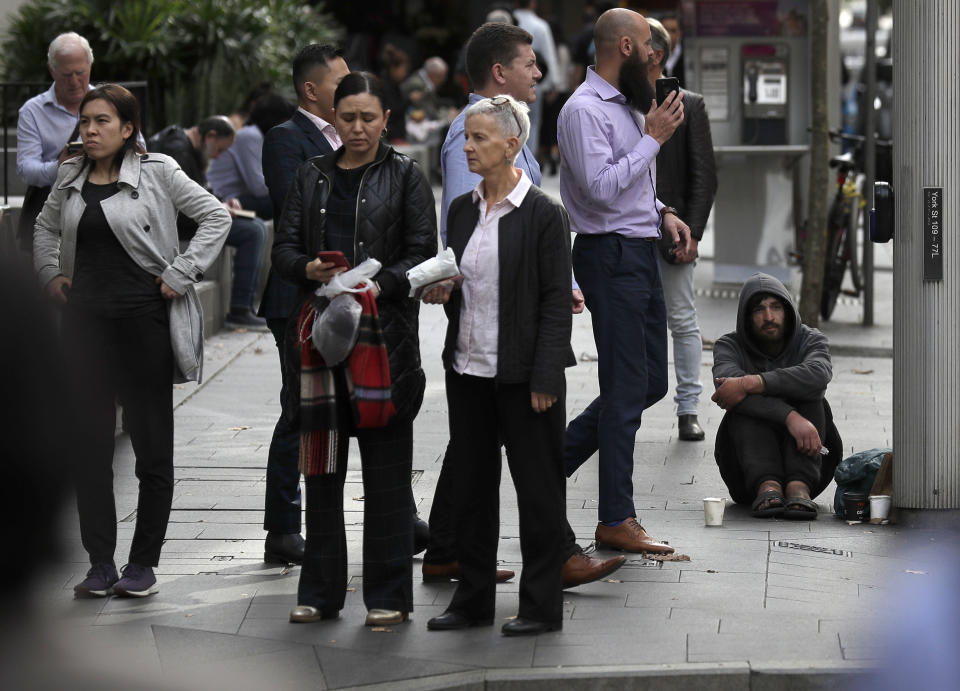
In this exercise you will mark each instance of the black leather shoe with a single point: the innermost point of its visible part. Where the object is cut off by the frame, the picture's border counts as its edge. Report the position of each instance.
(690, 429)
(451, 621)
(283, 548)
(528, 627)
(421, 534)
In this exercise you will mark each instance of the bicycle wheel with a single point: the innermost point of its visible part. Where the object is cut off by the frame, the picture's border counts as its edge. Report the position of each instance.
(834, 266)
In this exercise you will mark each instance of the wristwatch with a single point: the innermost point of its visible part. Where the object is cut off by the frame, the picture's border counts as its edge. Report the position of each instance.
(668, 210)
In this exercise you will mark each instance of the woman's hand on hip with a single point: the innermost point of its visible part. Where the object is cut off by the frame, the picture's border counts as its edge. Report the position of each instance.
(58, 288)
(166, 291)
(541, 401)
(322, 271)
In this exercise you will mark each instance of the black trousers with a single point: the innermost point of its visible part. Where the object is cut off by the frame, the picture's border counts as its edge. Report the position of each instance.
(482, 414)
(132, 359)
(386, 457)
(281, 511)
(442, 548)
(767, 451)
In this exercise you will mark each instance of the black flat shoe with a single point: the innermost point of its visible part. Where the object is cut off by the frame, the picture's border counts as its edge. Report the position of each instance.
(689, 428)
(421, 534)
(451, 621)
(528, 627)
(281, 548)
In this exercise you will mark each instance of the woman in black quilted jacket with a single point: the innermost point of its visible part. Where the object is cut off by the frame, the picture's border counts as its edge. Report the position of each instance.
(364, 200)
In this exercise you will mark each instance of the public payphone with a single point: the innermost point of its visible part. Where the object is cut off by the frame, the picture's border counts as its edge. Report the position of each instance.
(765, 107)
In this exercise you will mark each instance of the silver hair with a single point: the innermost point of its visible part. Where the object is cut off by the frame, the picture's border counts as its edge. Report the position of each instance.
(66, 43)
(659, 38)
(435, 65)
(508, 113)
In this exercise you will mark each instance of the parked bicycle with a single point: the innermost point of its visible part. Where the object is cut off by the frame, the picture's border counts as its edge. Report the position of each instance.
(843, 222)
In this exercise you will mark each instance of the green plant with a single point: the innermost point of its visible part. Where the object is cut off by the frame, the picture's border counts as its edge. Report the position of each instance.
(198, 56)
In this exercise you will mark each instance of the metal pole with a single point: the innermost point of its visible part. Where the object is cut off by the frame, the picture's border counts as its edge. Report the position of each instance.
(870, 158)
(926, 277)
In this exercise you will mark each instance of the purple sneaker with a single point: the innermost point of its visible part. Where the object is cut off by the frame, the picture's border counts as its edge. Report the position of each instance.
(98, 583)
(137, 581)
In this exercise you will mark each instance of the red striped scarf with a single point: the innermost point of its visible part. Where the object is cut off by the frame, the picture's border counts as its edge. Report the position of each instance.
(366, 383)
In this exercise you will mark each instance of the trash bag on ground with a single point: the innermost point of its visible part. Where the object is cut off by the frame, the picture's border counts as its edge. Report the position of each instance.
(856, 473)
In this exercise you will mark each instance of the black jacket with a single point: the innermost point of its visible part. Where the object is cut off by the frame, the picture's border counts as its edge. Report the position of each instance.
(535, 317)
(285, 148)
(686, 171)
(174, 142)
(397, 225)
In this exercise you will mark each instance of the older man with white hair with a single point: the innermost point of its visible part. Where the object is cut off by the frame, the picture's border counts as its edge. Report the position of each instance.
(46, 122)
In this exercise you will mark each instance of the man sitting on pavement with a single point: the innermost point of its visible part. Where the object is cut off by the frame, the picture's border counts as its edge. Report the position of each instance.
(193, 149)
(771, 375)
(238, 173)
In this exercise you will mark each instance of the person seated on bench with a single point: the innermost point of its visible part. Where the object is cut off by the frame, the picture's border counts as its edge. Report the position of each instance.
(771, 375)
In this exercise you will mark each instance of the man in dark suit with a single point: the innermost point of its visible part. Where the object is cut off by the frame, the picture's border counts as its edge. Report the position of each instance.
(687, 181)
(317, 70)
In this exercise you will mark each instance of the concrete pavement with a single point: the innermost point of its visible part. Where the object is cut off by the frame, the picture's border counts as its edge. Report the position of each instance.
(716, 621)
(760, 603)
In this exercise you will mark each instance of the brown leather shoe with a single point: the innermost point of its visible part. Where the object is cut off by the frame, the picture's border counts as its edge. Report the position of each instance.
(441, 573)
(629, 537)
(580, 569)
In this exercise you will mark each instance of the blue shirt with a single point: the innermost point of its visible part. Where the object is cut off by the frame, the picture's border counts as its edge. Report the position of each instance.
(43, 128)
(238, 170)
(457, 178)
(607, 163)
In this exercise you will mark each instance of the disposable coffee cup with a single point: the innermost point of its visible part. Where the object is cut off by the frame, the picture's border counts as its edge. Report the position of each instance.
(879, 508)
(713, 511)
(855, 506)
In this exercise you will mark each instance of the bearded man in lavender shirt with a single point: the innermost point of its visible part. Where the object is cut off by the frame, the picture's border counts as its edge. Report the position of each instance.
(608, 150)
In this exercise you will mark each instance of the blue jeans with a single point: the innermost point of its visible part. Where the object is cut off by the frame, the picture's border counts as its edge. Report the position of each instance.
(685, 331)
(247, 236)
(620, 280)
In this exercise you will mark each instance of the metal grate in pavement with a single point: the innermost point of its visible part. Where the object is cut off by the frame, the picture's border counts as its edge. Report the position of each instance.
(813, 548)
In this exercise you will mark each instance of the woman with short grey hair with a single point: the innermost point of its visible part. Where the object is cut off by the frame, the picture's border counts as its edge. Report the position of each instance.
(507, 345)
(511, 116)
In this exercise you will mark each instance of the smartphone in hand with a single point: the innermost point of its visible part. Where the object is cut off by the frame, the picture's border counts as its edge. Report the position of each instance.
(664, 86)
(338, 258)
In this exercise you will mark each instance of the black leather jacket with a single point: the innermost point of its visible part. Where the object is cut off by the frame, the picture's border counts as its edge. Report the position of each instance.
(686, 172)
(397, 224)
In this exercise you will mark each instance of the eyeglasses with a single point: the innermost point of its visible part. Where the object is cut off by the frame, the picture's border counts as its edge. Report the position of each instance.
(505, 101)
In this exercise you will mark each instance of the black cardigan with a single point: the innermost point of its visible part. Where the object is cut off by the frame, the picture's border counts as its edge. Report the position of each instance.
(535, 314)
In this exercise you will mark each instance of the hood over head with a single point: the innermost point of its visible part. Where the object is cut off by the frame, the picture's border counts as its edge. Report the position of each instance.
(765, 284)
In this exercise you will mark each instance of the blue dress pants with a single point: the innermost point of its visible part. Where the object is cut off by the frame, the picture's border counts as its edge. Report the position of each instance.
(620, 280)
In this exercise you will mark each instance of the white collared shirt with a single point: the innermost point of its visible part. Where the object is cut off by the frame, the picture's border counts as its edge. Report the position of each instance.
(476, 352)
(328, 130)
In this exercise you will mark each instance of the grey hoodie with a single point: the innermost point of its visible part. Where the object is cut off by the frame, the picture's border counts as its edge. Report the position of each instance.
(800, 372)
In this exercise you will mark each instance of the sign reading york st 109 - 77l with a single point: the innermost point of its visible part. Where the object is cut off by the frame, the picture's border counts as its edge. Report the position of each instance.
(933, 233)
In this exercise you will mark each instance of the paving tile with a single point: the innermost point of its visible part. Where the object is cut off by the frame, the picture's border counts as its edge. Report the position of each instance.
(763, 646)
(356, 668)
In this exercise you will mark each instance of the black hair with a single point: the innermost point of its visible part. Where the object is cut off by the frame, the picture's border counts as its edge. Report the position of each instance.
(218, 124)
(757, 298)
(360, 83)
(309, 57)
(260, 90)
(493, 43)
(128, 110)
(270, 110)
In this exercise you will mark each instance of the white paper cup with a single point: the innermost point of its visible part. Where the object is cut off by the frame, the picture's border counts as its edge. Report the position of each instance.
(713, 511)
(879, 507)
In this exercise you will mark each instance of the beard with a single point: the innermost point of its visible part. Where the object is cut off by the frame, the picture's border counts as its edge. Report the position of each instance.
(635, 84)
